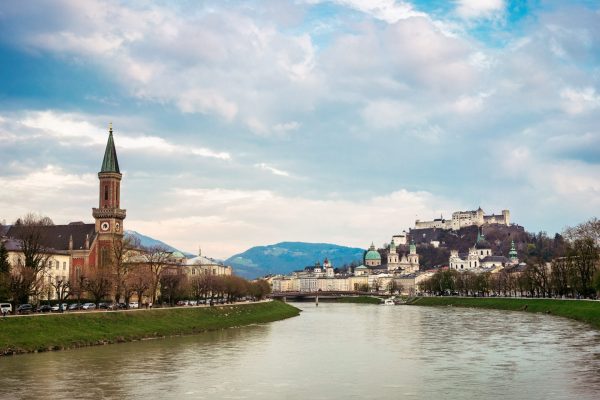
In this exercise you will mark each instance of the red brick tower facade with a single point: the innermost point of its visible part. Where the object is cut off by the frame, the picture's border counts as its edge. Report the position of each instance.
(109, 216)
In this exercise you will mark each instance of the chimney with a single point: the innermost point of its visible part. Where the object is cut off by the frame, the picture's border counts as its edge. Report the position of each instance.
(87, 241)
(70, 242)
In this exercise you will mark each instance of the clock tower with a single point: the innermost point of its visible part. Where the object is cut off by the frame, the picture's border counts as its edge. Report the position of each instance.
(109, 216)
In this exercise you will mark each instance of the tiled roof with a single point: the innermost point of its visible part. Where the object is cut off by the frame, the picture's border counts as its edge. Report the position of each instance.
(500, 259)
(57, 236)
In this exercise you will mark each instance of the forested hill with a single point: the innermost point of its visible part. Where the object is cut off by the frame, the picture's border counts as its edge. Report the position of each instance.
(538, 246)
(285, 257)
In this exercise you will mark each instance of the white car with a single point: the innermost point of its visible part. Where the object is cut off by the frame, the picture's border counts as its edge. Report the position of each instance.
(133, 304)
(55, 307)
(5, 308)
(88, 306)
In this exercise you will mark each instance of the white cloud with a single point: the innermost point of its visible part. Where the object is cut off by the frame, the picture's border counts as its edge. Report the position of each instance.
(271, 169)
(470, 104)
(225, 222)
(50, 191)
(577, 101)
(479, 8)
(69, 128)
(390, 11)
(286, 127)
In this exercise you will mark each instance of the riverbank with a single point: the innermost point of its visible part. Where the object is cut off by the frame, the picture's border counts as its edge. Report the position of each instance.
(67, 331)
(580, 310)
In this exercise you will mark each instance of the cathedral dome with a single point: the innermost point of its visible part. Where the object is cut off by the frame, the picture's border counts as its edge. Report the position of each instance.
(372, 254)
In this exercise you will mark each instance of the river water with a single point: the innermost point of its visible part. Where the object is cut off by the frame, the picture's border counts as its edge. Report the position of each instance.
(334, 351)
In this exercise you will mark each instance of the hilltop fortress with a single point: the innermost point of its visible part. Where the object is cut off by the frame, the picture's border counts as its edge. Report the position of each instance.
(461, 219)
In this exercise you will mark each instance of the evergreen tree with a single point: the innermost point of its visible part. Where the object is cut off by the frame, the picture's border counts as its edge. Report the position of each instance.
(4, 273)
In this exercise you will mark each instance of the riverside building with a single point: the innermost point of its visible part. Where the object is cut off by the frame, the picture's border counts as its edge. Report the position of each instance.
(400, 273)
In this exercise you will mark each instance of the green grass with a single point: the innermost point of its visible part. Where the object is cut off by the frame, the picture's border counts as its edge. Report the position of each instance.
(359, 300)
(61, 331)
(580, 310)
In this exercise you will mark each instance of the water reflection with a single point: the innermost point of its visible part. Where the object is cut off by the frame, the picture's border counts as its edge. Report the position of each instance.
(331, 352)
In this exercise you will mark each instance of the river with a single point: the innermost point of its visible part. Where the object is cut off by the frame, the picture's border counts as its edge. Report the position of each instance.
(334, 351)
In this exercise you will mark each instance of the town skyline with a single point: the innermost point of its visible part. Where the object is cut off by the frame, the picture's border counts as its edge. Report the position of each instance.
(340, 122)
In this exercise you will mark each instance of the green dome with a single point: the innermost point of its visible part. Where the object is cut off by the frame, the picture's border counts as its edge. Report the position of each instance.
(372, 254)
(177, 254)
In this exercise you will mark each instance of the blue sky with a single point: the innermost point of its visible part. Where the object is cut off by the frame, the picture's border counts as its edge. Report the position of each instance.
(248, 123)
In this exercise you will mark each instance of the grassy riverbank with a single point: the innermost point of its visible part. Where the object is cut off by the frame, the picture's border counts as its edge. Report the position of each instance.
(359, 300)
(63, 331)
(585, 311)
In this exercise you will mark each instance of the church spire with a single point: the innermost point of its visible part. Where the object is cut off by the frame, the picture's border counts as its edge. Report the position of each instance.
(110, 162)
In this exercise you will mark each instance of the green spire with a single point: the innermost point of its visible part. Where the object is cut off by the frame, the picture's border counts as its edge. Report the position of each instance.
(512, 254)
(480, 237)
(110, 162)
(412, 249)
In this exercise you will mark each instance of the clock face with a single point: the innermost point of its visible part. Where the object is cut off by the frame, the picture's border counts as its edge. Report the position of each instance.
(104, 226)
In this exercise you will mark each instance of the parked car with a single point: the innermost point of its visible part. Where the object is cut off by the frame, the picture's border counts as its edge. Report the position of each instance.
(74, 306)
(103, 306)
(88, 306)
(25, 309)
(5, 308)
(44, 308)
(133, 304)
(56, 307)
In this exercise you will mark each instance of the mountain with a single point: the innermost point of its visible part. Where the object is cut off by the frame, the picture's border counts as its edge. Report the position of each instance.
(285, 257)
(147, 241)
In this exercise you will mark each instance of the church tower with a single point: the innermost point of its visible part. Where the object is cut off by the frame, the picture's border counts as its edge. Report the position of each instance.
(109, 216)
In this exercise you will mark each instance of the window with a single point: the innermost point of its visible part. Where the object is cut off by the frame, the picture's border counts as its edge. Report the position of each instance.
(105, 192)
(64, 265)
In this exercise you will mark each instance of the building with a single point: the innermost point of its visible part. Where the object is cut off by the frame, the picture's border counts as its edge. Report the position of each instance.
(204, 265)
(398, 272)
(75, 249)
(372, 257)
(461, 219)
(480, 258)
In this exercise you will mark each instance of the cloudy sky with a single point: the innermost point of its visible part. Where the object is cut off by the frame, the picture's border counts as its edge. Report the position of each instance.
(248, 123)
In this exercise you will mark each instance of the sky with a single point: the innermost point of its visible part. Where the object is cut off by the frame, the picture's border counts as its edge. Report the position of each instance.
(249, 123)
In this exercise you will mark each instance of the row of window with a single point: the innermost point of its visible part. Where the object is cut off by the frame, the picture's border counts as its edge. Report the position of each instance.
(50, 278)
(57, 264)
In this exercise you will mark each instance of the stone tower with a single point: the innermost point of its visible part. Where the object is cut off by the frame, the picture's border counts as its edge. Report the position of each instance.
(109, 216)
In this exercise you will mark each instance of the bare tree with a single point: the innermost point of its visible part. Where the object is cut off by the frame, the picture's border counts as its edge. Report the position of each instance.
(62, 288)
(157, 259)
(99, 283)
(259, 289)
(589, 229)
(123, 249)
(584, 254)
(138, 281)
(31, 232)
(171, 286)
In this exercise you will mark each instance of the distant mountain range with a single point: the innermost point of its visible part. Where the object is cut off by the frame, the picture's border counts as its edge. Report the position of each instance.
(280, 258)
(285, 257)
(147, 241)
